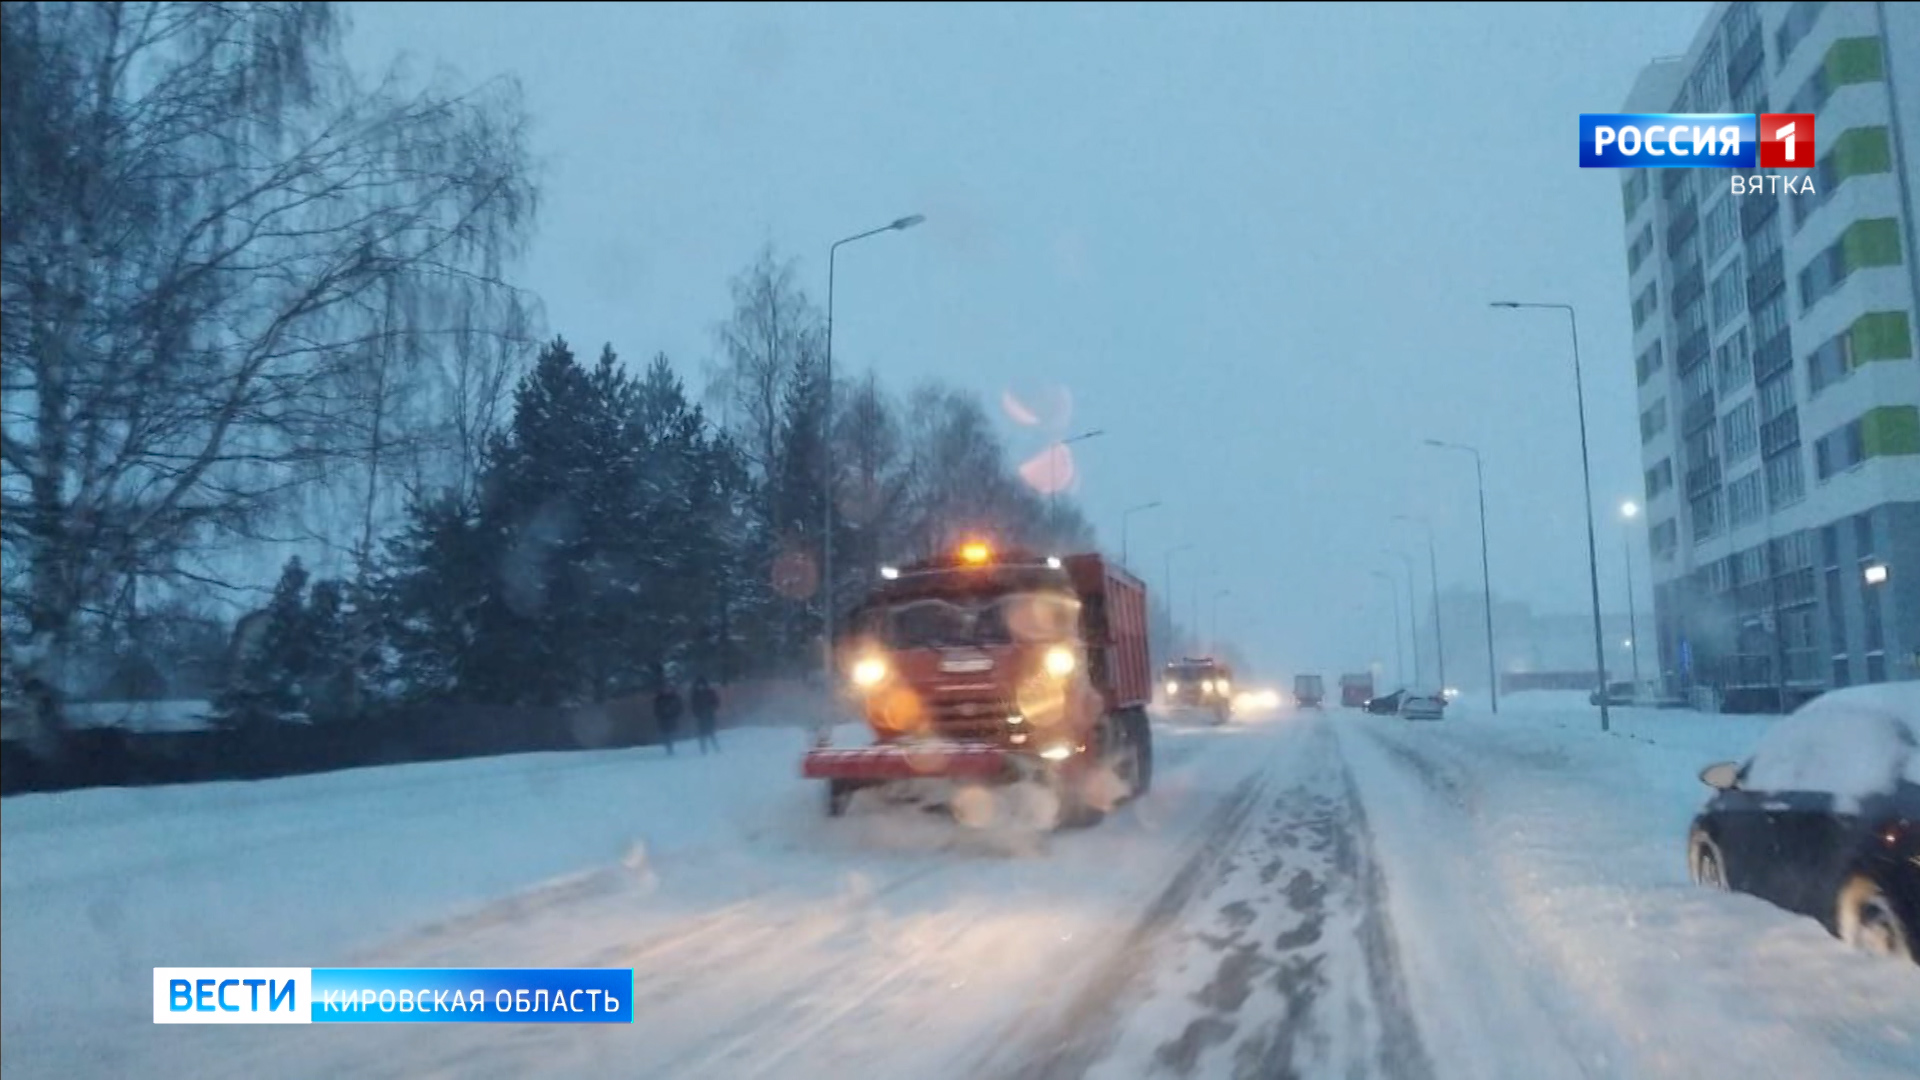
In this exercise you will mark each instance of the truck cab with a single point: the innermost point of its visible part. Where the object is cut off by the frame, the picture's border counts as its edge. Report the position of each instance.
(993, 668)
(1200, 684)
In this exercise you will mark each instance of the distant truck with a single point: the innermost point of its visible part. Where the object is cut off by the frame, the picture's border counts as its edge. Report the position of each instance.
(1356, 691)
(1308, 691)
(1200, 684)
(995, 668)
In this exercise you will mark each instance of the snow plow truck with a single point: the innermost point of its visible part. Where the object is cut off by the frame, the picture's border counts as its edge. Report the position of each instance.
(986, 669)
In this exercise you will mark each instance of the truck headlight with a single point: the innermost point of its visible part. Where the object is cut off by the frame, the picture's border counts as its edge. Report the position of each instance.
(1172, 688)
(1060, 662)
(1206, 686)
(1057, 752)
(1224, 687)
(869, 671)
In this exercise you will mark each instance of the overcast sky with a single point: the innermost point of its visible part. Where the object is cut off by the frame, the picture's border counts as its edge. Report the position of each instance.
(1255, 245)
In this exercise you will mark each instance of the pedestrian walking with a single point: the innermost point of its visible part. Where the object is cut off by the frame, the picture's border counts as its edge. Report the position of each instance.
(706, 706)
(666, 713)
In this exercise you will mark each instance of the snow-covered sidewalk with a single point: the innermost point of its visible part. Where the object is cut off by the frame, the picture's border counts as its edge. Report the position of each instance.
(1536, 872)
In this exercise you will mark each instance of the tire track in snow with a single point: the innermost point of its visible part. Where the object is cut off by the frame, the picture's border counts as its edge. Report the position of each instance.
(1289, 967)
(1084, 1031)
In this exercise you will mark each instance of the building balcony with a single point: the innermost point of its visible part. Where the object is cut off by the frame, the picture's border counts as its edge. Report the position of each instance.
(1680, 228)
(1695, 349)
(1703, 479)
(1772, 357)
(1779, 433)
(1689, 287)
(1756, 211)
(1696, 415)
(1744, 61)
(1765, 280)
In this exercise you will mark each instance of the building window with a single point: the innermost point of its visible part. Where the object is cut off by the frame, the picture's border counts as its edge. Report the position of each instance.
(1703, 515)
(1692, 319)
(1729, 294)
(1745, 502)
(1763, 245)
(1659, 478)
(1741, 435)
(1734, 358)
(1722, 226)
(1646, 305)
(1663, 539)
(1650, 361)
(1633, 192)
(1776, 397)
(1770, 320)
(1641, 247)
(1795, 27)
(1838, 450)
(1786, 480)
(1653, 421)
(1829, 363)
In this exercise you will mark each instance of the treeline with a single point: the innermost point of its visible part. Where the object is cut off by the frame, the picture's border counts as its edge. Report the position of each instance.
(619, 535)
(252, 303)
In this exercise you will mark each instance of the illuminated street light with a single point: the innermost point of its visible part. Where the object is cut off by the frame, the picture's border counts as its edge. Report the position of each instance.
(1876, 574)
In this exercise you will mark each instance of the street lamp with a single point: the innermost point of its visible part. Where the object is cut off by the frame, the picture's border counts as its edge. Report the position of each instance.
(1586, 471)
(1393, 605)
(1171, 552)
(1413, 619)
(826, 440)
(1628, 512)
(1433, 575)
(1053, 466)
(1876, 574)
(1486, 575)
(1124, 522)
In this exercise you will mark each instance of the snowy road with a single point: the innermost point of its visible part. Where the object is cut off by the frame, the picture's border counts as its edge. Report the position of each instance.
(1335, 895)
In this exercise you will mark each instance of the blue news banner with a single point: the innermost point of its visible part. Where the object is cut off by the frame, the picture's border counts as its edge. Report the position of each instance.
(188, 995)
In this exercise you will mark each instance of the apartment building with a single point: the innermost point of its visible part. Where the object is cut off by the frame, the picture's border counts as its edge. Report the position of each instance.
(1775, 351)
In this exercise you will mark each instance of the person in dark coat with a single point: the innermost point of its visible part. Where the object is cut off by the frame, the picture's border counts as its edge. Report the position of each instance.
(706, 706)
(666, 713)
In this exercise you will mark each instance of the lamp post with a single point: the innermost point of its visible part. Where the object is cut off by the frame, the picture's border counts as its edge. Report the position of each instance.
(826, 441)
(1393, 605)
(1413, 620)
(1628, 512)
(1486, 575)
(1433, 576)
(1171, 552)
(1586, 471)
(1125, 520)
(1053, 467)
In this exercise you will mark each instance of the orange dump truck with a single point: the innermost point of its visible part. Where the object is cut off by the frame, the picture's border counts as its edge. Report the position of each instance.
(986, 668)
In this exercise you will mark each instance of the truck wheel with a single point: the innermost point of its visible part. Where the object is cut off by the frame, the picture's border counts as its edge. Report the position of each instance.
(839, 794)
(1143, 751)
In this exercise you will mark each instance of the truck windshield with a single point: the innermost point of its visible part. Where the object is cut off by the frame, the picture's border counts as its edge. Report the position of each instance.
(1005, 620)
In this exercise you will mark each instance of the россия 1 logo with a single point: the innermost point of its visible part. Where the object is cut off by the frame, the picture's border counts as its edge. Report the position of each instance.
(1696, 141)
(1704, 141)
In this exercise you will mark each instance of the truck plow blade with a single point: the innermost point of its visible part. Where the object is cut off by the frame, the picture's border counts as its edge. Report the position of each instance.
(922, 762)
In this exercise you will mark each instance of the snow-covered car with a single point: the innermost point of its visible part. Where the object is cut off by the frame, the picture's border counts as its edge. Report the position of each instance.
(1423, 707)
(1824, 818)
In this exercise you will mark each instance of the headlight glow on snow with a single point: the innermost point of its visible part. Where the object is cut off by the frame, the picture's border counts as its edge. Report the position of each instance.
(869, 671)
(1060, 662)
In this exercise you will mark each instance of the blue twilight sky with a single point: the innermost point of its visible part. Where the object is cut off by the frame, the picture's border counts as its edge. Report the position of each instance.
(1255, 245)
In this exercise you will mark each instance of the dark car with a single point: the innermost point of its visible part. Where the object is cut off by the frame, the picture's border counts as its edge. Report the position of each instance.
(1386, 704)
(1824, 818)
